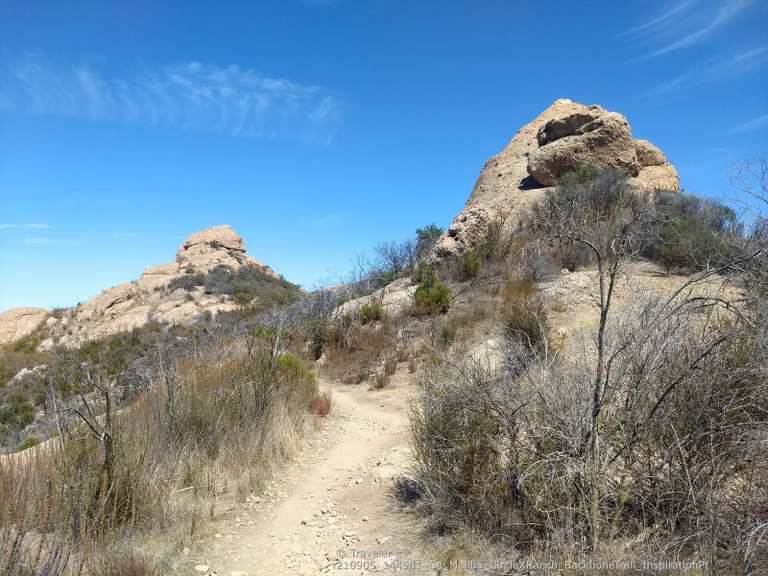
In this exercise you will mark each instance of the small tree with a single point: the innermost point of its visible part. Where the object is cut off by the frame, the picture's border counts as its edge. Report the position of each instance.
(395, 257)
(431, 296)
(426, 238)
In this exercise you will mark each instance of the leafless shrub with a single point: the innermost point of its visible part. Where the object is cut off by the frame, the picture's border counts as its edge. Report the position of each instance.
(681, 434)
(395, 257)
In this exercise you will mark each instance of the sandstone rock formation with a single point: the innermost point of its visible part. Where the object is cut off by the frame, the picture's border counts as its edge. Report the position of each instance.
(217, 246)
(150, 298)
(395, 299)
(560, 138)
(603, 141)
(17, 323)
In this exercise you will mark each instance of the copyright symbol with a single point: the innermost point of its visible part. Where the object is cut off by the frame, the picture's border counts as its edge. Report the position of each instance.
(341, 553)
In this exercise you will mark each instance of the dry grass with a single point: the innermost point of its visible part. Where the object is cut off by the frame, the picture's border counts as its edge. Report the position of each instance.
(220, 421)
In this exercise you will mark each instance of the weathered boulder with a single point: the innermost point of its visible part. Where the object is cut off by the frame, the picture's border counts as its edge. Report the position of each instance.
(17, 323)
(395, 299)
(216, 246)
(504, 185)
(653, 178)
(155, 277)
(567, 125)
(605, 141)
(648, 154)
(110, 302)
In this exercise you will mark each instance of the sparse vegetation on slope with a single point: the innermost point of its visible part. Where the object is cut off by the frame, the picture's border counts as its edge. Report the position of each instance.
(221, 418)
(650, 431)
(248, 286)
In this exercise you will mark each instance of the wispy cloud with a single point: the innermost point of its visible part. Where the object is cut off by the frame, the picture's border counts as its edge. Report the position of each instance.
(27, 226)
(47, 241)
(714, 70)
(190, 96)
(757, 123)
(685, 24)
(659, 23)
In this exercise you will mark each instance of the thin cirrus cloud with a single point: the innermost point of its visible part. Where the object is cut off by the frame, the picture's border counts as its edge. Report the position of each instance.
(193, 96)
(714, 71)
(758, 123)
(24, 226)
(685, 24)
(659, 23)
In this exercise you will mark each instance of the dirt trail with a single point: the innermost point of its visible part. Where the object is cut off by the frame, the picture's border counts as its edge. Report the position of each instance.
(333, 510)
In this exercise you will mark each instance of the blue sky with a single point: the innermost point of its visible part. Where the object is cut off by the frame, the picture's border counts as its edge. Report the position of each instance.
(318, 128)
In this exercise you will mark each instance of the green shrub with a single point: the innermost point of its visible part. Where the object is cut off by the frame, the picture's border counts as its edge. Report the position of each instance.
(426, 238)
(692, 232)
(467, 266)
(248, 286)
(18, 411)
(431, 296)
(370, 312)
(28, 442)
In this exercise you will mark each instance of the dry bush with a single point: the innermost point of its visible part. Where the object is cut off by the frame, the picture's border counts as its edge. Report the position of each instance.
(353, 350)
(20, 557)
(682, 432)
(226, 416)
(523, 314)
(124, 563)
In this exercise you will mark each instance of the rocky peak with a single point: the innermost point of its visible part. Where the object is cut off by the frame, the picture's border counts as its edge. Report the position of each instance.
(153, 297)
(564, 136)
(216, 246)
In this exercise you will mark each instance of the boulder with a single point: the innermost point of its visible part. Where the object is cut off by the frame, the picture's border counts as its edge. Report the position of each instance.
(216, 246)
(654, 178)
(648, 154)
(605, 142)
(110, 302)
(395, 299)
(155, 277)
(567, 125)
(176, 312)
(17, 323)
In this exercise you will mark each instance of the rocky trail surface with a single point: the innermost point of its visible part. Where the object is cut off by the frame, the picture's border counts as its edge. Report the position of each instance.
(334, 510)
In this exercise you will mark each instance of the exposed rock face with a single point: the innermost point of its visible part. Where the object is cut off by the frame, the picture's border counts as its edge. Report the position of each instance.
(648, 154)
(560, 138)
(656, 173)
(134, 304)
(605, 141)
(19, 322)
(217, 246)
(395, 299)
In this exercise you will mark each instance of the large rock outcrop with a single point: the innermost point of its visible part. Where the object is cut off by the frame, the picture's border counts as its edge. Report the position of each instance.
(562, 137)
(17, 323)
(395, 299)
(153, 297)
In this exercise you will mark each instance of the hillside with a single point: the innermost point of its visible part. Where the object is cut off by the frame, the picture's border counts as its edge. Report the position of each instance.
(196, 283)
(572, 374)
(212, 278)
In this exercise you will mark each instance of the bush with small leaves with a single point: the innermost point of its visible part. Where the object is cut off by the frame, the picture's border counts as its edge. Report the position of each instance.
(370, 312)
(693, 232)
(431, 296)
